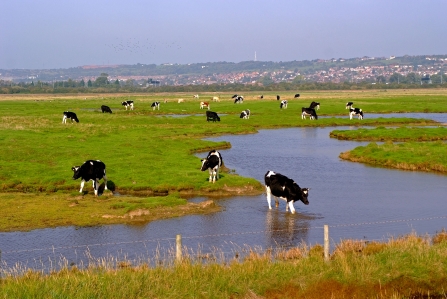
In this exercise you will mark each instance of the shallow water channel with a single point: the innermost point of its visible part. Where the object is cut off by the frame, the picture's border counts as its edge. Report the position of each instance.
(355, 200)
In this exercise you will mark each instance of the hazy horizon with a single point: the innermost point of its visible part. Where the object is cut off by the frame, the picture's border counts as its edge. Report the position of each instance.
(50, 34)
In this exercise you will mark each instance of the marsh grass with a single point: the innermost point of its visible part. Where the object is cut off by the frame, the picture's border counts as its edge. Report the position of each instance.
(392, 134)
(415, 156)
(404, 267)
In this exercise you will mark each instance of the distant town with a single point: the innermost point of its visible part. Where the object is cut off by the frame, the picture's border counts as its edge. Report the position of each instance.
(422, 69)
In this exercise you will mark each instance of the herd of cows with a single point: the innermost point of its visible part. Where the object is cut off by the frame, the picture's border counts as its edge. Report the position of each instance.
(276, 184)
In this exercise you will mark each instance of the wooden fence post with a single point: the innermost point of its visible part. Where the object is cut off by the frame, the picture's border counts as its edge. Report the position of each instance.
(326, 242)
(178, 247)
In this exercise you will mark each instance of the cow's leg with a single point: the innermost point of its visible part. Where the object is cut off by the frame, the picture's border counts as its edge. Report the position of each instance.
(95, 186)
(269, 195)
(214, 175)
(64, 119)
(211, 174)
(217, 173)
(292, 209)
(105, 181)
(350, 115)
(276, 202)
(82, 186)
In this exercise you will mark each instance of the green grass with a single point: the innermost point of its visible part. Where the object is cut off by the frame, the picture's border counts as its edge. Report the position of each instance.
(406, 267)
(392, 134)
(420, 156)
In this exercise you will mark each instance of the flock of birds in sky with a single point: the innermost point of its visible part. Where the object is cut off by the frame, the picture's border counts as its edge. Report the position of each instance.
(138, 46)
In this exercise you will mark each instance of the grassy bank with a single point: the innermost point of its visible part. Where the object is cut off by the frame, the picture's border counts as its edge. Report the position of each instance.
(406, 267)
(392, 134)
(150, 153)
(419, 156)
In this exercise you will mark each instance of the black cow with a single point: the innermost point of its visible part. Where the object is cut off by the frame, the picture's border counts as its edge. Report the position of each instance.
(278, 98)
(315, 105)
(308, 112)
(210, 115)
(297, 95)
(128, 104)
(105, 108)
(284, 188)
(245, 114)
(355, 111)
(69, 115)
(155, 105)
(283, 104)
(349, 105)
(213, 162)
(91, 170)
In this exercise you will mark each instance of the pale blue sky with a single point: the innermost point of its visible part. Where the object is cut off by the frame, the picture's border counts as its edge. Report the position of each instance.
(59, 34)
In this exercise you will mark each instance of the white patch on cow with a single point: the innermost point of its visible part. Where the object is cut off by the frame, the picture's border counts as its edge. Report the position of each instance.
(91, 163)
(270, 173)
(283, 188)
(305, 191)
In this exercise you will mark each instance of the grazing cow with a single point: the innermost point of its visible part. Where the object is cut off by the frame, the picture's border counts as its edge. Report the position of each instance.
(180, 101)
(196, 96)
(69, 115)
(238, 99)
(210, 115)
(308, 111)
(165, 101)
(284, 188)
(245, 114)
(283, 104)
(205, 105)
(213, 162)
(355, 111)
(105, 108)
(261, 97)
(278, 98)
(155, 105)
(349, 105)
(216, 99)
(315, 105)
(297, 95)
(128, 104)
(91, 170)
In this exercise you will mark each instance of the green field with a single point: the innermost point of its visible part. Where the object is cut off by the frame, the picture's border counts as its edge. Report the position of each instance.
(151, 153)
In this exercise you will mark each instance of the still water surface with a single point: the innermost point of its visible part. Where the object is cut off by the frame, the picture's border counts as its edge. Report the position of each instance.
(355, 200)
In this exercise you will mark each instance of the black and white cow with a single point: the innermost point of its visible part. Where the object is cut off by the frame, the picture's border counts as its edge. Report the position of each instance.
(297, 95)
(308, 112)
(315, 105)
(239, 100)
(283, 104)
(155, 105)
(213, 162)
(128, 104)
(105, 109)
(245, 114)
(281, 186)
(349, 105)
(210, 115)
(91, 170)
(355, 111)
(278, 98)
(69, 115)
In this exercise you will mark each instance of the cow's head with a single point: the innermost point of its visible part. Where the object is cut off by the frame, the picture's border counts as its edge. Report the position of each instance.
(305, 194)
(218, 118)
(76, 172)
(296, 193)
(204, 165)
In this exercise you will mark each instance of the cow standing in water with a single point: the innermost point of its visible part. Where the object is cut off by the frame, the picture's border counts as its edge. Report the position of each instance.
(281, 186)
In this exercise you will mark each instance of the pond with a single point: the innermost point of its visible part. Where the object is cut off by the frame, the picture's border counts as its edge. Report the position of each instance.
(355, 200)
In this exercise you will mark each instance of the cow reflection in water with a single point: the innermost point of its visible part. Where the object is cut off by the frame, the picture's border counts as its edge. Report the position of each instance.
(284, 230)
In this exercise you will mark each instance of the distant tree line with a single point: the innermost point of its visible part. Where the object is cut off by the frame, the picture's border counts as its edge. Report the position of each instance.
(102, 85)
